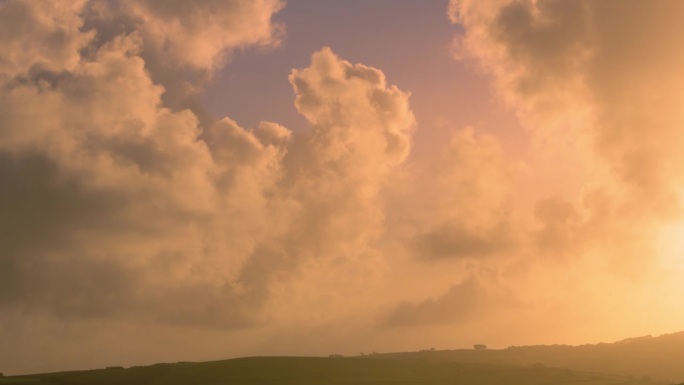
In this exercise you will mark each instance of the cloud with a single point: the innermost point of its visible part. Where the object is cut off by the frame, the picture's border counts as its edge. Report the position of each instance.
(98, 157)
(464, 302)
(40, 35)
(575, 60)
(111, 197)
(119, 207)
(599, 93)
(185, 44)
(457, 305)
(467, 211)
(597, 86)
(360, 131)
(452, 240)
(201, 34)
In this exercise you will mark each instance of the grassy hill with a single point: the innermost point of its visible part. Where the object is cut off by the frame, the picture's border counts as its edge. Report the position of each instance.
(635, 361)
(328, 371)
(659, 358)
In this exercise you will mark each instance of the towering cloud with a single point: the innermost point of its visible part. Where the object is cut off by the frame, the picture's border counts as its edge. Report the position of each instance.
(333, 172)
(117, 207)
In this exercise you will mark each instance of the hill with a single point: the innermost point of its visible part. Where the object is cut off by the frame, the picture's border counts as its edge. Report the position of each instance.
(329, 371)
(659, 358)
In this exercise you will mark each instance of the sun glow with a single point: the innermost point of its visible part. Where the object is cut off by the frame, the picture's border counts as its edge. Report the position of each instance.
(671, 248)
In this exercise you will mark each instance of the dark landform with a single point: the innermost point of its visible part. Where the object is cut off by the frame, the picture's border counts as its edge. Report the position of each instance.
(635, 361)
(656, 358)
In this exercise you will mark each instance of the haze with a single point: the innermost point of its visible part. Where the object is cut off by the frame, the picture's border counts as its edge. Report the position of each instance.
(195, 180)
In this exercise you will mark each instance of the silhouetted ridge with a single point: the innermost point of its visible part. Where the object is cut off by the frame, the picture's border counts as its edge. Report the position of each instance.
(324, 371)
(658, 358)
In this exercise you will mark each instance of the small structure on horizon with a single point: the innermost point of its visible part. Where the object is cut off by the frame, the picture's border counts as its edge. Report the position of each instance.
(480, 347)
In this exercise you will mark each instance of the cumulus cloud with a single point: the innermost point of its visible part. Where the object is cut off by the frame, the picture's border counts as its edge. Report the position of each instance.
(40, 34)
(583, 209)
(101, 163)
(596, 84)
(116, 206)
(360, 131)
(588, 87)
(201, 35)
(109, 197)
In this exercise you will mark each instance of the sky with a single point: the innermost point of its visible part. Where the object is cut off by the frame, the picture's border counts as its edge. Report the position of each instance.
(185, 181)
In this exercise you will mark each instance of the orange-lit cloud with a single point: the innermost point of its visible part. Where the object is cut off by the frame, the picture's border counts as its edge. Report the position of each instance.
(597, 86)
(122, 208)
(467, 211)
